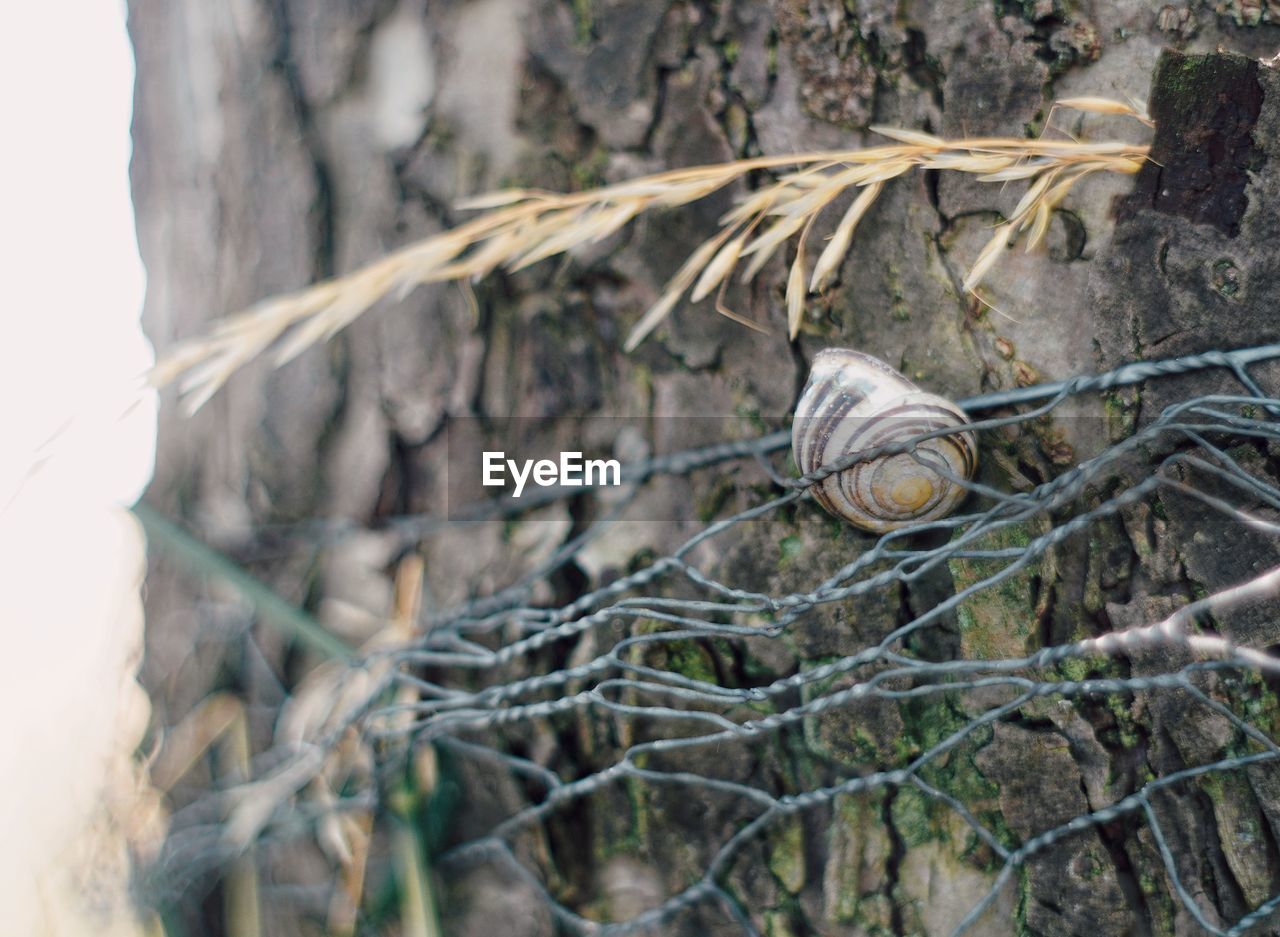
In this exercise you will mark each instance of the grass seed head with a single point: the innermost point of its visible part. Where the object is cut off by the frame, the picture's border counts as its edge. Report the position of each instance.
(520, 227)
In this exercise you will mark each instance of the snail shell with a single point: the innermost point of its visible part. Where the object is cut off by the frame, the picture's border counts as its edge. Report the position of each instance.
(854, 402)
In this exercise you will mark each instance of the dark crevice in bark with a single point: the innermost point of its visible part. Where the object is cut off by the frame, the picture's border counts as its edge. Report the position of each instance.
(1031, 723)
(358, 66)
(395, 495)
(932, 179)
(1076, 236)
(1113, 837)
(408, 191)
(955, 274)
(1221, 887)
(1042, 596)
(1222, 893)
(1136, 354)
(323, 211)
(569, 827)
(773, 46)
(1271, 679)
(331, 429)
(1268, 836)
(661, 76)
(1048, 904)
(940, 641)
(893, 864)
(923, 68)
(567, 578)
(750, 144)
(484, 326)
(801, 372)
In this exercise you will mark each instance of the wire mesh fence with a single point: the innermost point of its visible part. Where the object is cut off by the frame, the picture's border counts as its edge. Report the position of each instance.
(631, 665)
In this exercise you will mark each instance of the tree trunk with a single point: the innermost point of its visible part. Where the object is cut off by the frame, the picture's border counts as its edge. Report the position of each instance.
(279, 142)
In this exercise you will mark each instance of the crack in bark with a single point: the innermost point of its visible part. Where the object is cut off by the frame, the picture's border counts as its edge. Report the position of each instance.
(323, 210)
(893, 863)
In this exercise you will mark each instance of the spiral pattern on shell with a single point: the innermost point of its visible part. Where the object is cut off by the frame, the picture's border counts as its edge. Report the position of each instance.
(853, 403)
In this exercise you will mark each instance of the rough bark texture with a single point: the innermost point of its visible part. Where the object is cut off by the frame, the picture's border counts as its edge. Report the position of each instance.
(280, 141)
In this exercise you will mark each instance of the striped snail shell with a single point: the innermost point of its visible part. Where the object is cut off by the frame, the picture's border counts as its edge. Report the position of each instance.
(854, 402)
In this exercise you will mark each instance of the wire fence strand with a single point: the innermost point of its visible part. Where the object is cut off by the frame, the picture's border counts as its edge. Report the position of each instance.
(481, 675)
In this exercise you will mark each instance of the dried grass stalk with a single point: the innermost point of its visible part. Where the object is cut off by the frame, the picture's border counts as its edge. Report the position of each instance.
(521, 227)
(1106, 106)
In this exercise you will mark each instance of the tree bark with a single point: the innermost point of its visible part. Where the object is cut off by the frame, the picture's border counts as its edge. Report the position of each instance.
(279, 142)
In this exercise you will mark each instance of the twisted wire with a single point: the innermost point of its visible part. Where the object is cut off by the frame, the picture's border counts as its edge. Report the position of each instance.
(478, 672)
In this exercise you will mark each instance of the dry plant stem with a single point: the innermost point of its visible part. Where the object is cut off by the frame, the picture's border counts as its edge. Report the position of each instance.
(243, 902)
(521, 227)
(418, 914)
(186, 743)
(219, 721)
(344, 905)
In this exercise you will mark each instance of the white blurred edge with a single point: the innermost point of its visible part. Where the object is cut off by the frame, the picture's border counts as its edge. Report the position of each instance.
(77, 436)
